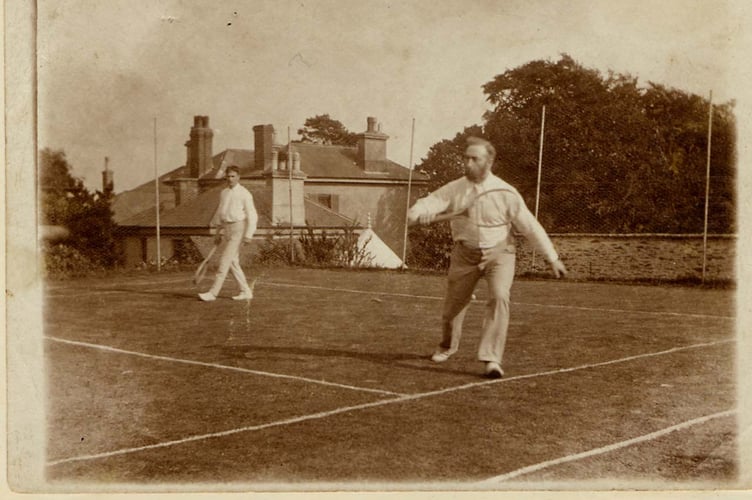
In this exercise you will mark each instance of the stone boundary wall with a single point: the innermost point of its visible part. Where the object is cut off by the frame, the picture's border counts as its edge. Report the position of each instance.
(637, 257)
(612, 257)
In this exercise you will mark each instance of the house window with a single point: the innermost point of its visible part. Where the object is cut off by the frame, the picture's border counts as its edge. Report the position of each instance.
(329, 200)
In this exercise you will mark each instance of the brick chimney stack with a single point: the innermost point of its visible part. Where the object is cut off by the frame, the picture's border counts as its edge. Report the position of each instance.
(108, 177)
(263, 144)
(199, 147)
(371, 155)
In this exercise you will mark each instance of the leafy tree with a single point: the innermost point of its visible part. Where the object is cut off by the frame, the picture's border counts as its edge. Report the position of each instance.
(616, 157)
(65, 201)
(322, 129)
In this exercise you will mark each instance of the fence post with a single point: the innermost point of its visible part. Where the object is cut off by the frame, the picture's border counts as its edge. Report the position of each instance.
(540, 165)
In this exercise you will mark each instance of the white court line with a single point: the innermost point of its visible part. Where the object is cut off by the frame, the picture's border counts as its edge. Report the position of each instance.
(71, 292)
(557, 306)
(606, 449)
(229, 432)
(374, 404)
(636, 311)
(216, 365)
(411, 296)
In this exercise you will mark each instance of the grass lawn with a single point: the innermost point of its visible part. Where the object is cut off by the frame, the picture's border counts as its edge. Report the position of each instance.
(325, 378)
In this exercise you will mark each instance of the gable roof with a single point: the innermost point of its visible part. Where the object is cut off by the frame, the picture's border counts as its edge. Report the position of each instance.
(242, 158)
(327, 161)
(317, 161)
(134, 201)
(197, 212)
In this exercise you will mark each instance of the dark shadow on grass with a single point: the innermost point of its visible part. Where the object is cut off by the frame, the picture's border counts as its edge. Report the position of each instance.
(165, 294)
(401, 360)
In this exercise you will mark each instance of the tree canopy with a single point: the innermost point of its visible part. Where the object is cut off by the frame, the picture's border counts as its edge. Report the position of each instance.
(617, 157)
(322, 129)
(65, 201)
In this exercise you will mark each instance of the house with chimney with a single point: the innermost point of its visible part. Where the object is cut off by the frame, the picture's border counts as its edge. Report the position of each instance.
(297, 185)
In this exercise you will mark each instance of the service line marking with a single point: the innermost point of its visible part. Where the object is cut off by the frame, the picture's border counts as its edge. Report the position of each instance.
(396, 294)
(557, 306)
(219, 366)
(605, 449)
(374, 404)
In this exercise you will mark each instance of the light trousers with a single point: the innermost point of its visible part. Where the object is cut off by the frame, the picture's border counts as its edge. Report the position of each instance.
(466, 268)
(230, 258)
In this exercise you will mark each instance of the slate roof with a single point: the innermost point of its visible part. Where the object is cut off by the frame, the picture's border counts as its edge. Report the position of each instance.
(134, 201)
(317, 162)
(197, 213)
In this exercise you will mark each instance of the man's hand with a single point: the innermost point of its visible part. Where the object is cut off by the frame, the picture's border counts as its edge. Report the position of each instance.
(426, 218)
(558, 268)
(247, 240)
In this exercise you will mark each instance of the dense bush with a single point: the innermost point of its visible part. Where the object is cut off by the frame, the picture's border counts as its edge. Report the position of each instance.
(315, 248)
(63, 262)
(64, 201)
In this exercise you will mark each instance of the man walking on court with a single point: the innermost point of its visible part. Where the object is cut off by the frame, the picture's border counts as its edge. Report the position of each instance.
(237, 217)
(483, 247)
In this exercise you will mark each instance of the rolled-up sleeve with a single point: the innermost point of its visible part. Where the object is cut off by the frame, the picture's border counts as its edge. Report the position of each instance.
(251, 216)
(433, 204)
(526, 224)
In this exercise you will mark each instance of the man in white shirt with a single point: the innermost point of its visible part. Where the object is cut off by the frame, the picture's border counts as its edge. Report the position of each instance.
(237, 219)
(484, 247)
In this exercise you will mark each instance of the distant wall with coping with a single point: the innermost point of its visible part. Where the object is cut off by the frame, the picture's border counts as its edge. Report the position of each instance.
(630, 257)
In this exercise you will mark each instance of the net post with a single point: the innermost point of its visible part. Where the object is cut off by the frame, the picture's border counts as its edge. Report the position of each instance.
(540, 166)
(707, 189)
(407, 203)
(289, 179)
(156, 197)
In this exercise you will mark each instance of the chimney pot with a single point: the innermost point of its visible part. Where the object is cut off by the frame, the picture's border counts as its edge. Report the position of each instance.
(296, 161)
(263, 142)
(108, 182)
(371, 148)
(199, 160)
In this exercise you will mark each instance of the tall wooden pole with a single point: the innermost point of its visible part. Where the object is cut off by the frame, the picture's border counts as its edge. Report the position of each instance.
(707, 188)
(289, 177)
(540, 167)
(156, 197)
(409, 185)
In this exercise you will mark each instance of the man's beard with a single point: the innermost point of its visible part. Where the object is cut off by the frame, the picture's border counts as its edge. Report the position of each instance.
(477, 176)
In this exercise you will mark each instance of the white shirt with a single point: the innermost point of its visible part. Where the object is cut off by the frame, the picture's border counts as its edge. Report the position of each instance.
(235, 205)
(502, 211)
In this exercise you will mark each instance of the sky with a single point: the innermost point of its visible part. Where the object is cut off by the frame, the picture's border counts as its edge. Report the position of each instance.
(108, 69)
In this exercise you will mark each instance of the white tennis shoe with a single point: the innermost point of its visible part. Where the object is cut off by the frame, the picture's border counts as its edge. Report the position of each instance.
(247, 295)
(207, 296)
(493, 370)
(441, 356)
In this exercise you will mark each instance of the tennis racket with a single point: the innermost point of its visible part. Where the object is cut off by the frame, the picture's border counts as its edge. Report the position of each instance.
(492, 203)
(201, 271)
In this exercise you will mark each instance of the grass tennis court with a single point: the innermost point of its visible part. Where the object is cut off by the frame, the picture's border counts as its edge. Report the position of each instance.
(325, 378)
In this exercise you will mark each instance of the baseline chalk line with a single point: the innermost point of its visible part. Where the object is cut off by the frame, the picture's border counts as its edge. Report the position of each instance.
(219, 366)
(374, 404)
(530, 304)
(605, 449)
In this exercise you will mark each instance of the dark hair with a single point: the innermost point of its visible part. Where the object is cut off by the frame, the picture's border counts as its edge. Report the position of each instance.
(232, 168)
(479, 141)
